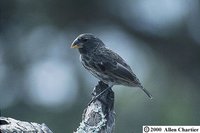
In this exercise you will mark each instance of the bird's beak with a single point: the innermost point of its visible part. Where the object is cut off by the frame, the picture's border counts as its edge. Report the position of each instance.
(76, 44)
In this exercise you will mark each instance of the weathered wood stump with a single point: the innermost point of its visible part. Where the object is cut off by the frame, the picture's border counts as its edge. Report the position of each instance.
(99, 116)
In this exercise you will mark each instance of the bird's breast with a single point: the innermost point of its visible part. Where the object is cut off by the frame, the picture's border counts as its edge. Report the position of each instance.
(98, 74)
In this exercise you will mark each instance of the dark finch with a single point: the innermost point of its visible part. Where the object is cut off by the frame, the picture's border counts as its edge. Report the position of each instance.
(105, 64)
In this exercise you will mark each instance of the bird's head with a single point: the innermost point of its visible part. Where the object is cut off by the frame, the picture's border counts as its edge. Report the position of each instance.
(86, 43)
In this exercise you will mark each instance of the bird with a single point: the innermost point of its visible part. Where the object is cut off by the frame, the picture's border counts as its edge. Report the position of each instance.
(105, 64)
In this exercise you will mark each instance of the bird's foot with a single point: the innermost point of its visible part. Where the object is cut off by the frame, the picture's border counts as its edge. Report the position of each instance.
(97, 96)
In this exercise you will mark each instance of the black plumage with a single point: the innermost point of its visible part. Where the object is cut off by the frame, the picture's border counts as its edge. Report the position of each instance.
(105, 64)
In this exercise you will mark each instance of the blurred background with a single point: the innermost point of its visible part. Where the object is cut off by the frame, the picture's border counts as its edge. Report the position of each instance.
(42, 80)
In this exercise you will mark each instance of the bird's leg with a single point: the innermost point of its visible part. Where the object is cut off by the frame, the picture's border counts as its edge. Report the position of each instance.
(96, 97)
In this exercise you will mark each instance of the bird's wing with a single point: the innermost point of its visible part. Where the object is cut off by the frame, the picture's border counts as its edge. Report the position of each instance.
(112, 64)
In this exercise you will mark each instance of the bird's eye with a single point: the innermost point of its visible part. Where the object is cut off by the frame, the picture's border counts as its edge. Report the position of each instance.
(84, 39)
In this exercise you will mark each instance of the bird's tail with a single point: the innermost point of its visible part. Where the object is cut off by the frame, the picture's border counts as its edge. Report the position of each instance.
(146, 92)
